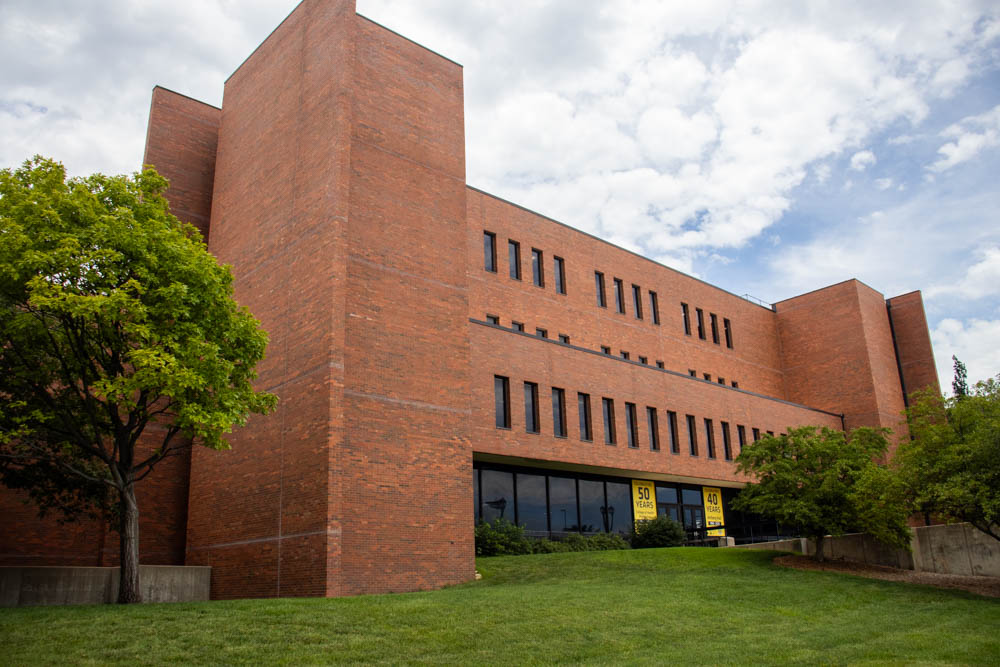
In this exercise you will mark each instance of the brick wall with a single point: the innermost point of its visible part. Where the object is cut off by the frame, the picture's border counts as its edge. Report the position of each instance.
(913, 343)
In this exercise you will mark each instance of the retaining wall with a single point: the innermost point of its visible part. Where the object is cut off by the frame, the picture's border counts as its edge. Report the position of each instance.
(29, 586)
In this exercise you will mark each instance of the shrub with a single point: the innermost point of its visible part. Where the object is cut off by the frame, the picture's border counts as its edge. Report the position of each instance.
(659, 532)
(501, 538)
(546, 546)
(607, 542)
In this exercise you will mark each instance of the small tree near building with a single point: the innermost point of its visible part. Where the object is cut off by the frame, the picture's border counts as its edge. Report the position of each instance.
(825, 484)
(951, 465)
(116, 325)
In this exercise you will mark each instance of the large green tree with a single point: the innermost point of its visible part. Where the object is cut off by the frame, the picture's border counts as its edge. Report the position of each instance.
(952, 462)
(120, 344)
(825, 483)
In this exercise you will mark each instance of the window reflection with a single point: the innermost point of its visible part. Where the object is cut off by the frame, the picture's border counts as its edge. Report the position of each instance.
(591, 504)
(562, 500)
(498, 495)
(531, 502)
(619, 508)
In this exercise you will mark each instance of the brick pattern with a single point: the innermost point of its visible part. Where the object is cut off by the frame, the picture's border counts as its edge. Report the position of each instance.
(913, 343)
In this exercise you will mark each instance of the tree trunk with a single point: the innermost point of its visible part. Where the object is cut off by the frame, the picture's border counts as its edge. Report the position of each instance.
(128, 535)
(819, 548)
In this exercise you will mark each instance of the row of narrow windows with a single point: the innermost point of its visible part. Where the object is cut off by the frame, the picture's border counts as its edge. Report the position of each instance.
(647, 420)
(605, 349)
(514, 262)
(618, 291)
(727, 328)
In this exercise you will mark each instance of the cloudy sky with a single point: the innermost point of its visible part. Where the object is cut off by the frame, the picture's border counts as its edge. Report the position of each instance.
(770, 148)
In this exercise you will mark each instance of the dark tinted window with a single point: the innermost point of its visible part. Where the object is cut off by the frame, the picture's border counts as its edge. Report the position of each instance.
(497, 494)
(514, 259)
(756, 434)
(637, 301)
(531, 407)
(599, 282)
(591, 504)
(727, 445)
(563, 338)
(692, 435)
(558, 412)
(710, 438)
(518, 325)
(490, 251)
(654, 307)
(659, 364)
(560, 271)
(501, 400)
(583, 406)
(653, 424)
(542, 333)
(687, 318)
(729, 332)
(632, 425)
(741, 435)
(619, 508)
(531, 512)
(619, 296)
(701, 323)
(608, 406)
(562, 503)
(536, 267)
(715, 328)
(675, 443)
(493, 319)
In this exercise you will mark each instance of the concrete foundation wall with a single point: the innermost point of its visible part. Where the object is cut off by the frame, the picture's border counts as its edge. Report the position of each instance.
(30, 586)
(947, 549)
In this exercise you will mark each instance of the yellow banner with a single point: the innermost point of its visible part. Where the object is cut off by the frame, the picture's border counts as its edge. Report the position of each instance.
(643, 499)
(713, 510)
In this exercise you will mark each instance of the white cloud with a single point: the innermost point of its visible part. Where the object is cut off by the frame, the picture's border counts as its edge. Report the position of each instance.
(971, 135)
(883, 183)
(980, 280)
(973, 341)
(862, 160)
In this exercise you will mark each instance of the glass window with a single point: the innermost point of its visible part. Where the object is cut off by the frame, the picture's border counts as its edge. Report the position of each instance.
(741, 436)
(654, 307)
(501, 401)
(701, 323)
(493, 319)
(619, 508)
(687, 318)
(475, 493)
(734, 384)
(692, 435)
(707, 376)
(691, 497)
(637, 301)
(692, 372)
(562, 501)
(609, 420)
(531, 407)
(729, 333)
(558, 412)
(497, 493)
(721, 380)
(727, 445)
(654, 429)
(694, 517)
(643, 360)
(619, 296)
(631, 423)
(583, 406)
(756, 434)
(599, 281)
(675, 443)
(519, 326)
(564, 339)
(715, 328)
(490, 251)
(605, 349)
(591, 504)
(710, 438)
(624, 354)
(560, 271)
(659, 364)
(514, 259)
(536, 267)
(531, 502)
(542, 333)
(667, 495)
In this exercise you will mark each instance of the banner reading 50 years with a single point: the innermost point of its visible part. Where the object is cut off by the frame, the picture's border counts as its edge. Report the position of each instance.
(643, 499)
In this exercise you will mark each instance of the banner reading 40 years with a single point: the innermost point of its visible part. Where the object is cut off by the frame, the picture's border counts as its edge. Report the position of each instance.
(713, 510)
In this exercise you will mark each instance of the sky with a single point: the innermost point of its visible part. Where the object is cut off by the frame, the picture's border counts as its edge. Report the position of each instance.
(769, 148)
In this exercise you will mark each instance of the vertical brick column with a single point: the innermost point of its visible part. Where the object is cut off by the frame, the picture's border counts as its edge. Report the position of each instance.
(913, 343)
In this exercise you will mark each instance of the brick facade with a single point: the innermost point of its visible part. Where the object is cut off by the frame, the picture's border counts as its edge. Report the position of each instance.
(333, 181)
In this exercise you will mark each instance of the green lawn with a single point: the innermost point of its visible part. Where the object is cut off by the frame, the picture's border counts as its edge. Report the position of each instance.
(652, 606)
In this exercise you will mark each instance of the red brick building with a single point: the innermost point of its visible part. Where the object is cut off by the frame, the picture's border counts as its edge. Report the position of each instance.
(443, 355)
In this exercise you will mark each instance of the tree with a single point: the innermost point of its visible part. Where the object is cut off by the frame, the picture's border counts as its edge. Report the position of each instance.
(959, 385)
(952, 462)
(120, 344)
(824, 483)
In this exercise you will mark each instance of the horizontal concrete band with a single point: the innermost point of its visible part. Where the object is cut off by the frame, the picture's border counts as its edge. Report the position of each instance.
(31, 586)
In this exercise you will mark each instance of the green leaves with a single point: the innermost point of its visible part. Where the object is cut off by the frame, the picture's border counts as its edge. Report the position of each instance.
(113, 317)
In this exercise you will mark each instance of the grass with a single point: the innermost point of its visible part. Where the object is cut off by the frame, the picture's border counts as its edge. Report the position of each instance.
(705, 606)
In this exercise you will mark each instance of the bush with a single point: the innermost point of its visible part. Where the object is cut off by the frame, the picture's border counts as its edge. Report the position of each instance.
(577, 542)
(659, 532)
(607, 542)
(501, 538)
(546, 546)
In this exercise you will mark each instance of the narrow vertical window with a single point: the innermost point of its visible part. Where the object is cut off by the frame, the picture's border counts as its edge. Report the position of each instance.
(756, 434)
(701, 322)
(609, 420)
(537, 269)
(685, 313)
(501, 401)
(602, 300)
(514, 259)
(692, 435)
(531, 407)
(583, 407)
(715, 327)
(619, 296)
(558, 412)
(709, 438)
(637, 301)
(654, 307)
(675, 441)
(653, 424)
(727, 327)
(727, 444)
(490, 251)
(632, 424)
(741, 436)
(560, 271)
